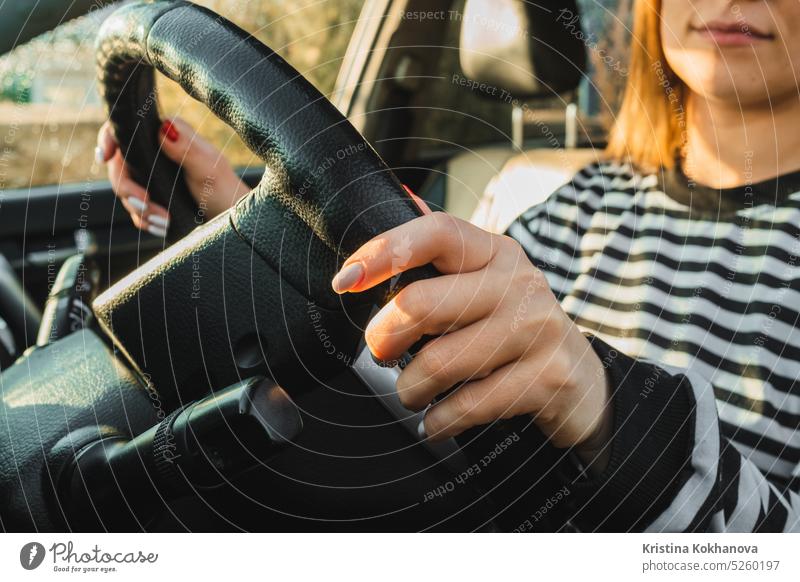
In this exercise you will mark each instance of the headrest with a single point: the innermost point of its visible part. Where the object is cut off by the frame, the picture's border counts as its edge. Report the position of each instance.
(529, 49)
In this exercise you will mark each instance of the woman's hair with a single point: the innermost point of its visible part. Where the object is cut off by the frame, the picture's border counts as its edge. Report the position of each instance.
(649, 130)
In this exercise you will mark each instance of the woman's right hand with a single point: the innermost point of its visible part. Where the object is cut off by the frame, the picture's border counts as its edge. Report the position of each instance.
(210, 178)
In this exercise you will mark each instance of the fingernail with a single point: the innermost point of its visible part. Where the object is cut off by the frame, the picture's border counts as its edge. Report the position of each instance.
(156, 231)
(348, 277)
(158, 220)
(423, 206)
(421, 430)
(99, 155)
(169, 130)
(137, 203)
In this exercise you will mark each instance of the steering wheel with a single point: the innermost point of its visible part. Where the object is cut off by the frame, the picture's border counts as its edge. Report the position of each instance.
(252, 288)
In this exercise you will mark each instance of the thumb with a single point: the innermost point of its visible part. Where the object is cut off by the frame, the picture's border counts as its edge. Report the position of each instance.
(176, 140)
(187, 148)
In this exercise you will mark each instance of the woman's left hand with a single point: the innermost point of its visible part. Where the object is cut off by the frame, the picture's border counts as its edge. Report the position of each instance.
(499, 330)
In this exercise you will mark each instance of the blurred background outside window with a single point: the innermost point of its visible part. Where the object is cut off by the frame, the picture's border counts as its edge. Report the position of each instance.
(50, 110)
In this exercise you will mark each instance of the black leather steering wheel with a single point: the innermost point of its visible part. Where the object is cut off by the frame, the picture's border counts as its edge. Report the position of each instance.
(269, 261)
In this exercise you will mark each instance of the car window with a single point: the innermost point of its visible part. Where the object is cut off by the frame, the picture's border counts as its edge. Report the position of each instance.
(468, 119)
(50, 110)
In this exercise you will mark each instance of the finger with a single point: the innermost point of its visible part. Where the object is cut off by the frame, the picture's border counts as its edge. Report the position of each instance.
(183, 145)
(183, 127)
(137, 209)
(133, 194)
(135, 198)
(151, 213)
(432, 307)
(136, 218)
(117, 170)
(176, 138)
(157, 219)
(122, 183)
(106, 144)
(450, 244)
(154, 218)
(199, 157)
(505, 393)
(469, 354)
(138, 204)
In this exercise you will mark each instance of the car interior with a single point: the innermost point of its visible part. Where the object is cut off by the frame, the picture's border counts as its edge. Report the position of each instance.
(213, 381)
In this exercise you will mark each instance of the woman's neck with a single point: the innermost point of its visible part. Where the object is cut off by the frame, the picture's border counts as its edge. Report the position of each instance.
(730, 146)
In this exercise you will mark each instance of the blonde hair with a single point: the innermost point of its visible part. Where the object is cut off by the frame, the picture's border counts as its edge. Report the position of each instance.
(649, 130)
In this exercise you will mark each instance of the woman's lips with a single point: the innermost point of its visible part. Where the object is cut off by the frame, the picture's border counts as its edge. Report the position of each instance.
(732, 33)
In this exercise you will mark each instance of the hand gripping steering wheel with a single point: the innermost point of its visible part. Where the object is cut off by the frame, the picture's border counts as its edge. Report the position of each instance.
(250, 289)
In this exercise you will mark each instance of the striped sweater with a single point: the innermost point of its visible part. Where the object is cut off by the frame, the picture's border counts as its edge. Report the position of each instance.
(691, 298)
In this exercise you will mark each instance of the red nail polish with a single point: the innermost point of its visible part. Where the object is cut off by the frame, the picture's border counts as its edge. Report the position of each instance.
(169, 130)
(420, 202)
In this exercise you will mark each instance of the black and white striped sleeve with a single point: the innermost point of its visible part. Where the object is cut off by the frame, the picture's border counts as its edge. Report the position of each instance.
(671, 469)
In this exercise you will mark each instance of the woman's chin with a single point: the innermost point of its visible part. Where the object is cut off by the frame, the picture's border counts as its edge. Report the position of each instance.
(739, 90)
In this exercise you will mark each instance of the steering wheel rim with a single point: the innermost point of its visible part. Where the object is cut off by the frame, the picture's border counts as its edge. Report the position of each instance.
(278, 114)
(128, 90)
